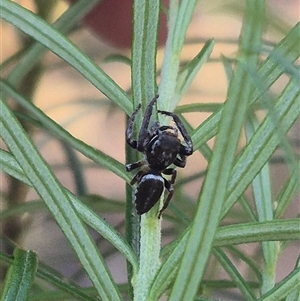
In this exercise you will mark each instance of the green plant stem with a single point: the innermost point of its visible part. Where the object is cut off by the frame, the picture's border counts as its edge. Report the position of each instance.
(145, 20)
(132, 225)
(149, 254)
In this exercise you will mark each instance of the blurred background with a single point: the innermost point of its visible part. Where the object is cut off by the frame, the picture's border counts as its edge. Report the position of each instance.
(70, 100)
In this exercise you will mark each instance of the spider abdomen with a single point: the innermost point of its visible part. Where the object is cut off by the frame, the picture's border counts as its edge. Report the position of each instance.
(149, 190)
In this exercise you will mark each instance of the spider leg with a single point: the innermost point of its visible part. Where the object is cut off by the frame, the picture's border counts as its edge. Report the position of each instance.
(154, 128)
(172, 172)
(132, 166)
(170, 189)
(187, 150)
(182, 161)
(168, 127)
(129, 131)
(137, 177)
(144, 134)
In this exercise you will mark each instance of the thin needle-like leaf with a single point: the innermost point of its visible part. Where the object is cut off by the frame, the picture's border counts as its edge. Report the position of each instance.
(57, 130)
(191, 69)
(284, 287)
(45, 34)
(63, 24)
(234, 274)
(214, 189)
(10, 166)
(263, 200)
(58, 203)
(287, 192)
(43, 272)
(225, 236)
(270, 71)
(263, 143)
(178, 22)
(20, 276)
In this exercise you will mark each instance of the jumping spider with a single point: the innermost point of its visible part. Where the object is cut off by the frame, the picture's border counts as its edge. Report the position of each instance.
(162, 148)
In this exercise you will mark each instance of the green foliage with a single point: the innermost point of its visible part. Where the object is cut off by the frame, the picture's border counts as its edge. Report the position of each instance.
(20, 276)
(200, 242)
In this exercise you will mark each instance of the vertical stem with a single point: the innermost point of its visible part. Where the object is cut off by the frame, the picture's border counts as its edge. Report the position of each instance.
(145, 21)
(149, 253)
(132, 226)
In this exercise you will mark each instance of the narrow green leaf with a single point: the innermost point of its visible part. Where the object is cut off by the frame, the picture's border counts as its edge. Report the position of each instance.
(267, 102)
(57, 130)
(55, 280)
(270, 71)
(190, 70)
(263, 143)
(113, 58)
(287, 111)
(198, 107)
(275, 230)
(249, 260)
(214, 189)
(247, 208)
(20, 276)
(145, 27)
(234, 274)
(262, 193)
(106, 230)
(295, 294)
(178, 23)
(63, 24)
(76, 169)
(228, 68)
(57, 201)
(28, 207)
(284, 287)
(10, 166)
(45, 34)
(287, 192)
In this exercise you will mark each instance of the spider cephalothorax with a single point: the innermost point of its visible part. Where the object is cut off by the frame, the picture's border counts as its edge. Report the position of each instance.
(161, 147)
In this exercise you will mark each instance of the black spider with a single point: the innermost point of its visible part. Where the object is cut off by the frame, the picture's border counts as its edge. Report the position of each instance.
(162, 148)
